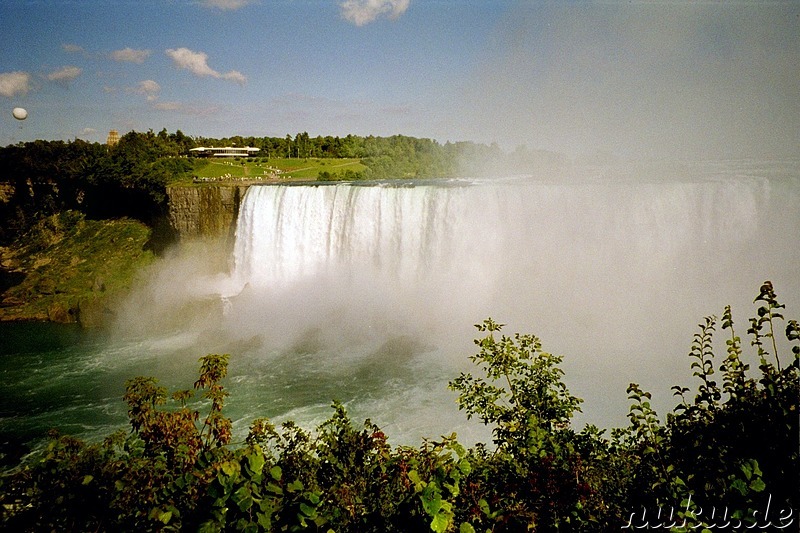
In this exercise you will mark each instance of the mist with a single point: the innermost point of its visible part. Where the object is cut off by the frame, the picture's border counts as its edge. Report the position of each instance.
(368, 294)
(641, 80)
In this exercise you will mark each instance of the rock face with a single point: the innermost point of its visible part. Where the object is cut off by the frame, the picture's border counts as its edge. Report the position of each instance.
(69, 269)
(6, 192)
(207, 211)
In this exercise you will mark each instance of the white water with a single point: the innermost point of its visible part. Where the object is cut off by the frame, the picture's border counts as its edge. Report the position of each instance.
(368, 294)
(613, 271)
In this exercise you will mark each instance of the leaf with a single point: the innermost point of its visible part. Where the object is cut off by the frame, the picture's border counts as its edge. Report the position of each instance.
(307, 510)
(466, 527)
(243, 498)
(208, 527)
(458, 448)
(229, 467)
(246, 527)
(274, 489)
(758, 485)
(276, 473)
(255, 460)
(431, 500)
(413, 475)
(87, 479)
(440, 523)
(264, 521)
(484, 506)
(739, 486)
(164, 517)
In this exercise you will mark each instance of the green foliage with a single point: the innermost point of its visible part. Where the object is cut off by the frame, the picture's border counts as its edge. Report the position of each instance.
(397, 156)
(128, 179)
(73, 266)
(734, 446)
(344, 175)
(538, 476)
(524, 397)
(216, 170)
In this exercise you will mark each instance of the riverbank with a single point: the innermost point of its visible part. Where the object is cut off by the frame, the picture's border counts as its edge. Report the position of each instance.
(70, 270)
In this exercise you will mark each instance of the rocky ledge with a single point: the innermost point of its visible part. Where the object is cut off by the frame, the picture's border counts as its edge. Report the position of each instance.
(205, 211)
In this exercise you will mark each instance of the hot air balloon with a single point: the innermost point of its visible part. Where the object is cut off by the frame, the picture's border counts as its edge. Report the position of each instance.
(19, 113)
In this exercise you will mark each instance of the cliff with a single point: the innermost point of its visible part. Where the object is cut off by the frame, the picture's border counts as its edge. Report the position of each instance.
(207, 211)
(69, 269)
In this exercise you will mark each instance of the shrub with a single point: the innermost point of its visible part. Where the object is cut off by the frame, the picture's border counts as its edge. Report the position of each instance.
(719, 458)
(733, 448)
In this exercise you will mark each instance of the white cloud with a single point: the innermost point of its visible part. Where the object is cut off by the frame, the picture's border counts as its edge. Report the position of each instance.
(225, 4)
(72, 48)
(197, 64)
(65, 74)
(14, 83)
(235, 75)
(194, 62)
(130, 55)
(361, 12)
(149, 88)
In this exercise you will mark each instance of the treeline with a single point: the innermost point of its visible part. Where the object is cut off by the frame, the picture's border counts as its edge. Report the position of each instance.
(41, 178)
(302, 145)
(725, 458)
(397, 156)
(400, 156)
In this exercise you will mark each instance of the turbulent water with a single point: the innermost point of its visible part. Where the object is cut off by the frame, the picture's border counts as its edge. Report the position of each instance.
(367, 293)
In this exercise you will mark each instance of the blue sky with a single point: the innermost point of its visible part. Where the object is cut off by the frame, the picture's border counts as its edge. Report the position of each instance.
(635, 79)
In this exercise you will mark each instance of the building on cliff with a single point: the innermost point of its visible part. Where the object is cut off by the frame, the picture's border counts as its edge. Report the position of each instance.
(225, 151)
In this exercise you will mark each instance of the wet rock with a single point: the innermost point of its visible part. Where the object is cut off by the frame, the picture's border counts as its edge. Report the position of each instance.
(61, 313)
(208, 211)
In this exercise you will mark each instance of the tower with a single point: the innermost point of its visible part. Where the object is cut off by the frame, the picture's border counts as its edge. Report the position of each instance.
(113, 138)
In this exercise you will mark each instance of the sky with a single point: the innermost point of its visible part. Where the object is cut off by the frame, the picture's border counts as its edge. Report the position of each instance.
(635, 79)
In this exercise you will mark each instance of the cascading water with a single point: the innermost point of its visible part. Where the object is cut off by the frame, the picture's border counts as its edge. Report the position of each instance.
(613, 272)
(404, 237)
(496, 238)
(367, 293)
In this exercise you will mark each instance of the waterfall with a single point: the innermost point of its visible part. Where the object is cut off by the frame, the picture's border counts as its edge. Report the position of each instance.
(287, 233)
(491, 230)
(367, 293)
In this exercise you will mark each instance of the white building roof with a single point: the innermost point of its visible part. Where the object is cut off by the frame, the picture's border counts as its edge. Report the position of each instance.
(225, 151)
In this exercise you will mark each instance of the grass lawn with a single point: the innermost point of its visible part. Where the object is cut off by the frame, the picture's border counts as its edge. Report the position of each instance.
(267, 169)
